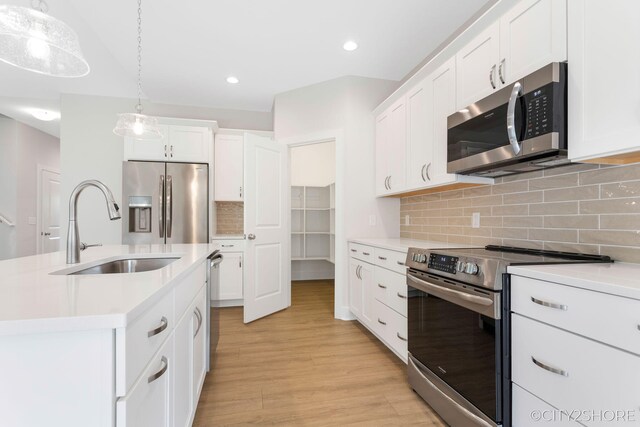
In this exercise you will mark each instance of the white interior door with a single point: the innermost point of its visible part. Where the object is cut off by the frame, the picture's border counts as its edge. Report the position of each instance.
(49, 233)
(267, 287)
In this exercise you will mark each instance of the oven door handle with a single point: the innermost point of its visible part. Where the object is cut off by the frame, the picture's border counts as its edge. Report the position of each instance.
(440, 290)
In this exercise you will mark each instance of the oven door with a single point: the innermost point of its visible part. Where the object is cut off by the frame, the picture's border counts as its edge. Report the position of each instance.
(454, 335)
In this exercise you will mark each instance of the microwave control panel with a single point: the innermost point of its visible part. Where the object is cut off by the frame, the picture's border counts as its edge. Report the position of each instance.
(539, 105)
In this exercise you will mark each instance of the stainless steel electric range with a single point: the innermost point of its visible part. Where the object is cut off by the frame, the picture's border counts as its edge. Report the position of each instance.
(459, 332)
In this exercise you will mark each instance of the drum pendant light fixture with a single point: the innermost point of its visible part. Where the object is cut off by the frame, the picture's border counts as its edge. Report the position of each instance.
(33, 40)
(138, 125)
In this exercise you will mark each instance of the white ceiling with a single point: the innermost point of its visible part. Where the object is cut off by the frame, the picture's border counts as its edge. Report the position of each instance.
(272, 46)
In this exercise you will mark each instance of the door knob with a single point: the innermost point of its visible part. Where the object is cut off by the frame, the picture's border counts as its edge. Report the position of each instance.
(251, 236)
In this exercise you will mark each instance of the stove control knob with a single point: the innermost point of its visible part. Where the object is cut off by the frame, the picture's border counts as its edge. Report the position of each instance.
(423, 258)
(460, 265)
(471, 268)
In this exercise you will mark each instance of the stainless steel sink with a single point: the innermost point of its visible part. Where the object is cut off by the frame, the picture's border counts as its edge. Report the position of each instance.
(132, 265)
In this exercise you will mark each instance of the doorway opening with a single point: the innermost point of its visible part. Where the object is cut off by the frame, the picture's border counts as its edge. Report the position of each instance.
(313, 215)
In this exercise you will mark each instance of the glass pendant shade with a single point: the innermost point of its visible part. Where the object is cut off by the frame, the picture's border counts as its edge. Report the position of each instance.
(138, 126)
(38, 42)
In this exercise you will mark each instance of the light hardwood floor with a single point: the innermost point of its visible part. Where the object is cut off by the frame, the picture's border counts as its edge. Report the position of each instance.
(302, 367)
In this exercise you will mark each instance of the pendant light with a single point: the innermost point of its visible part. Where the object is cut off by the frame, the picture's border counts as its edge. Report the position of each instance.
(138, 125)
(33, 40)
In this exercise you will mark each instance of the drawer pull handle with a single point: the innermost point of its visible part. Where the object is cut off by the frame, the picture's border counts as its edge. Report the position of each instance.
(366, 253)
(550, 304)
(400, 262)
(400, 336)
(199, 317)
(381, 322)
(401, 296)
(353, 250)
(384, 287)
(382, 258)
(161, 372)
(549, 368)
(228, 246)
(163, 325)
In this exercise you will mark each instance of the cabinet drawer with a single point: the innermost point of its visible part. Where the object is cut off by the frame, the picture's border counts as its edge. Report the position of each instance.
(189, 287)
(390, 288)
(361, 252)
(230, 245)
(392, 328)
(611, 319)
(136, 344)
(571, 372)
(393, 260)
(527, 409)
(149, 402)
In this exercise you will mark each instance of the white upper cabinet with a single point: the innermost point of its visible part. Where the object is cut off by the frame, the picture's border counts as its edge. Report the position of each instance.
(442, 85)
(229, 167)
(419, 132)
(178, 144)
(391, 161)
(604, 82)
(382, 144)
(477, 65)
(529, 36)
(532, 34)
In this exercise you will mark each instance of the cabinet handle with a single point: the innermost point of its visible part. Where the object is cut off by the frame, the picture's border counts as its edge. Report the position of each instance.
(427, 171)
(165, 366)
(492, 72)
(400, 336)
(501, 71)
(228, 246)
(550, 304)
(366, 253)
(389, 181)
(163, 325)
(401, 296)
(385, 183)
(165, 150)
(360, 272)
(382, 286)
(240, 261)
(199, 317)
(240, 191)
(382, 258)
(171, 151)
(353, 250)
(549, 368)
(422, 172)
(400, 262)
(381, 322)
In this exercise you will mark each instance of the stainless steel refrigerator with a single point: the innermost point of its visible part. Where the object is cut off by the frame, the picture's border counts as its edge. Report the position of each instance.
(165, 202)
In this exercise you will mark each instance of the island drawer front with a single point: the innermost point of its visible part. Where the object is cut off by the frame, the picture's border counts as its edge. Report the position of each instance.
(188, 288)
(393, 260)
(608, 318)
(135, 346)
(571, 372)
(391, 326)
(527, 409)
(361, 252)
(390, 288)
(231, 245)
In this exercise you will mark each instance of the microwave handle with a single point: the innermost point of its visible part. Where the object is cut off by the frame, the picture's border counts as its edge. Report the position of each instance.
(511, 118)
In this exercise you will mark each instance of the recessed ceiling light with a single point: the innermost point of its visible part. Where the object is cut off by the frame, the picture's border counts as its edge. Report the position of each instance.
(350, 46)
(232, 79)
(44, 115)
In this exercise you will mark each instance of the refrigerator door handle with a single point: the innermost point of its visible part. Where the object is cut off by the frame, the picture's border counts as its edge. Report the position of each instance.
(169, 205)
(161, 208)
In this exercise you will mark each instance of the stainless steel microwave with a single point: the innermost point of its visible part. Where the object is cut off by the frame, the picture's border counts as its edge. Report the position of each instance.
(520, 128)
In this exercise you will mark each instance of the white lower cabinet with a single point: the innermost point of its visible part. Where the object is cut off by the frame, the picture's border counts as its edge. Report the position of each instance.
(230, 286)
(149, 402)
(528, 409)
(378, 294)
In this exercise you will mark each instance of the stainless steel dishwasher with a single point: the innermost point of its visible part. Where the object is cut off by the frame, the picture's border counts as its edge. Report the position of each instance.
(213, 315)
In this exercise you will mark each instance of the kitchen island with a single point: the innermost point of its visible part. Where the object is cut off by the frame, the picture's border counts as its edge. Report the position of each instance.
(103, 349)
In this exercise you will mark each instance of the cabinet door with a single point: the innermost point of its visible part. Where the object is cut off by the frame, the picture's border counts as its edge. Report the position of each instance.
(443, 104)
(157, 150)
(230, 286)
(382, 162)
(477, 67)
(183, 377)
(419, 134)
(532, 34)
(604, 88)
(199, 344)
(150, 401)
(355, 288)
(368, 297)
(229, 167)
(189, 144)
(396, 150)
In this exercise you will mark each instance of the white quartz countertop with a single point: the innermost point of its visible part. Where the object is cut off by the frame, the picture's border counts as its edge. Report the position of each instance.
(403, 245)
(34, 301)
(622, 279)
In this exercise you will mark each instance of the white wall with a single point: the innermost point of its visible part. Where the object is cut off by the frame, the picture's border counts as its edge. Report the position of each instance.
(8, 186)
(90, 150)
(313, 165)
(341, 109)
